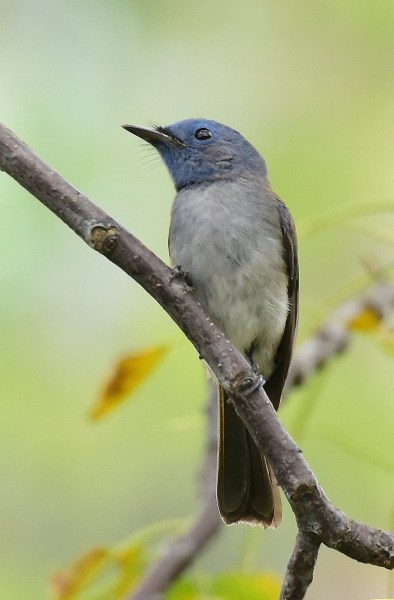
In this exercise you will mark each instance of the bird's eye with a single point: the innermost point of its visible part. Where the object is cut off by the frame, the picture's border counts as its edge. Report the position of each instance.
(202, 134)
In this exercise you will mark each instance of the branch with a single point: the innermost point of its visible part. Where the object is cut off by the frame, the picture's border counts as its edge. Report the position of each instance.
(316, 515)
(333, 337)
(300, 569)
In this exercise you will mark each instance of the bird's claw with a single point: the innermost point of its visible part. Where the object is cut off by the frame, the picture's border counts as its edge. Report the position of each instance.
(249, 385)
(256, 370)
(179, 273)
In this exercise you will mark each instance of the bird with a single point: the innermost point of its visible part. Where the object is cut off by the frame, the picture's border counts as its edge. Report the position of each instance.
(236, 241)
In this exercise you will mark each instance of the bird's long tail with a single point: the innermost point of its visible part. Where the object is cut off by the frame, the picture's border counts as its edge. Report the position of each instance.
(246, 488)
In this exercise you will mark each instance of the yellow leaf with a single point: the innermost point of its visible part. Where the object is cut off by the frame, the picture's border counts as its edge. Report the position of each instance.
(385, 338)
(127, 374)
(105, 573)
(270, 583)
(131, 562)
(366, 320)
(65, 584)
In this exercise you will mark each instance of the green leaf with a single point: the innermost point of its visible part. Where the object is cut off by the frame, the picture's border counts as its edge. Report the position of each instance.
(258, 586)
(186, 590)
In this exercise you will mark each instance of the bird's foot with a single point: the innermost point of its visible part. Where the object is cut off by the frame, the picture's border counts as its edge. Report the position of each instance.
(253, 364)
(248, 385)
(256, 370)
(179, 273)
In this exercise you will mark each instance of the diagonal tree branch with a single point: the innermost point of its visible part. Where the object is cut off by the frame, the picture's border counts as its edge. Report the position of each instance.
(334, 335)
(316, 516)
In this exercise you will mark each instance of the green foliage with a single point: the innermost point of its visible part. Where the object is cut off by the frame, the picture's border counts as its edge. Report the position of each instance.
(233, 586)
(101, 573)
(228, 586)
(111, 574)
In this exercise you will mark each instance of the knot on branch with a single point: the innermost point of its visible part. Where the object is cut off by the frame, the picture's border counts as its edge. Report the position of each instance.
(303, 493)
(104, 239)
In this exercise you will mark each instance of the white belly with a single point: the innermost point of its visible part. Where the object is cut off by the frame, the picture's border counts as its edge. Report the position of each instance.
(233, 253)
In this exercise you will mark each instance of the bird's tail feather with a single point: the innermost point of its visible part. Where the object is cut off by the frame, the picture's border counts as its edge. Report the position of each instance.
(246, 488)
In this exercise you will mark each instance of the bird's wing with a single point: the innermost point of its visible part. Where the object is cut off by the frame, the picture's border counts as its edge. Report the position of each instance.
(276, 382)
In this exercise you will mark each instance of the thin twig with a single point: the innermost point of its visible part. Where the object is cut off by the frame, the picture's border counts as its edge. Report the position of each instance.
(299, 573)
(334, 335)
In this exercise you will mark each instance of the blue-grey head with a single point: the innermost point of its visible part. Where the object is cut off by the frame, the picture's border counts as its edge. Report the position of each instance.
(198, 151)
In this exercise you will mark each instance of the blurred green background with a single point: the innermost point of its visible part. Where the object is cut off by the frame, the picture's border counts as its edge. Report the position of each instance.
(311, 85)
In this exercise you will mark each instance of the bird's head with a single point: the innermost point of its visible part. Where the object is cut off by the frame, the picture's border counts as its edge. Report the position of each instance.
(198, 151)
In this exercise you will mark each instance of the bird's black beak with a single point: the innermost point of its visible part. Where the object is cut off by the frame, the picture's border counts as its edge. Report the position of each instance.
(153, 136)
